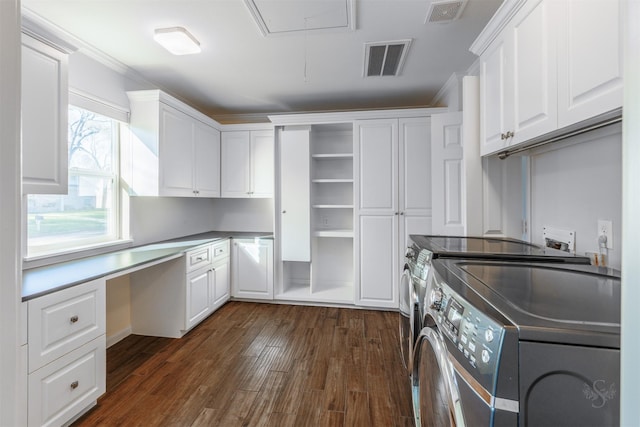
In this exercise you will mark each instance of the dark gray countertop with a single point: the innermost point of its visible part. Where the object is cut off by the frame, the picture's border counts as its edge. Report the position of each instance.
(44, 280)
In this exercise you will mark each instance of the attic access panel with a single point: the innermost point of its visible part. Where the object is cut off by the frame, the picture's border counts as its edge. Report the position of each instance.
(281, 17)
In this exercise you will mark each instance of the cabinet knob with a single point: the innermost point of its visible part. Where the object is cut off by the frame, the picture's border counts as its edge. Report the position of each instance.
(401, 213)
(74, 385)
(284, 211)
(73, 319)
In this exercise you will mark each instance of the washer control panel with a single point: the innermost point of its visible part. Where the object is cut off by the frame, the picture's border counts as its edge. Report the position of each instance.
(475, 336)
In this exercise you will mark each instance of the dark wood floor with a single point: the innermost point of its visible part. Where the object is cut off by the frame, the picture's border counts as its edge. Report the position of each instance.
(261, 365)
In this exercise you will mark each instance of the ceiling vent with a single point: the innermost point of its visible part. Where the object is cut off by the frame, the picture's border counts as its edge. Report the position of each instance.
(445, 11)
(385, 58)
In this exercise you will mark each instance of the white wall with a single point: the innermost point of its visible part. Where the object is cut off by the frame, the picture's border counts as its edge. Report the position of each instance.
(577, 182)
(161, 218)
(243, 215)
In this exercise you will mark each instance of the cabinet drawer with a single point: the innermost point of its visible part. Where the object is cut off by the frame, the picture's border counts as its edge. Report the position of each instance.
(221, 250)
(63, 321)
(198, 258)
(62, 389)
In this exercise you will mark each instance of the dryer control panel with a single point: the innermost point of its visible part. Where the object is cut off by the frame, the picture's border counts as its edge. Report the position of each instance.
(474, 336)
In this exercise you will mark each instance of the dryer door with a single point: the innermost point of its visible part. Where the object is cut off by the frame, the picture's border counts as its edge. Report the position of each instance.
(436, 400)
(408, 317)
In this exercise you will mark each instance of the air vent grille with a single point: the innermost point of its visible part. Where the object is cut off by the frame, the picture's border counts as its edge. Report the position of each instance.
(385, 58)
(445, 11)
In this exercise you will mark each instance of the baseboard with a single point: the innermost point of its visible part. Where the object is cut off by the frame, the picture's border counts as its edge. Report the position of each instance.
(118, 336)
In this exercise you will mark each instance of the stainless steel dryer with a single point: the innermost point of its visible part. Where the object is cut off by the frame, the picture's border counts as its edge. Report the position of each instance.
(423, 249)
(518, 344)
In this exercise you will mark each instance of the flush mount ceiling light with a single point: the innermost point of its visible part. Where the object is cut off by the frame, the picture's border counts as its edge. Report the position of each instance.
(177, 40)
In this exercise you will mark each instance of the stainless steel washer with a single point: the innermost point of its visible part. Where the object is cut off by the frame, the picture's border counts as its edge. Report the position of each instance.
(423, 249)
(518, 344)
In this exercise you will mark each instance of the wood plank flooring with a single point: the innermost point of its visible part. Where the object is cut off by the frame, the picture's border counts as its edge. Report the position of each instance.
(254, 364)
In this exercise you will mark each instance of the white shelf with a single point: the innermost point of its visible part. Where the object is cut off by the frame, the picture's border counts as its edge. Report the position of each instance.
(339, 295)
(333, 233)
(348, 234)
(331, 206)
(331, 180)
(333, 156)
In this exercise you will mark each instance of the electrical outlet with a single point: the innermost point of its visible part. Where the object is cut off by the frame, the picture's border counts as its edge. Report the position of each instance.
(325, 221)
(606, 228)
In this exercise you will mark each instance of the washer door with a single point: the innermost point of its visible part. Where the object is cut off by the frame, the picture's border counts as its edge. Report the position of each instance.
(436, 399)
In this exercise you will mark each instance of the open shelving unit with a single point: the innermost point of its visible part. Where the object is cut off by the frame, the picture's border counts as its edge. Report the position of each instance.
(329, 276)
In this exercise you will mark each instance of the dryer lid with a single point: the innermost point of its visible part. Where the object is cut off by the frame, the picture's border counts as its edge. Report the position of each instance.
(560, 294)
(492, 248)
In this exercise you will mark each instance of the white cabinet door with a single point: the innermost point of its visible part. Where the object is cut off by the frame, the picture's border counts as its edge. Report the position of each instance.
(44, 118)
(446, 164)
(198, 298)
(415, 181)
(221, 284)
(493, 93)
(378, 286)
(252, 263)
(378, 166)
(235, 164)
(207, 160)
(590, 59)
(262, 165)
(533, 69)
(415, 173)
(295, 215)
(176, 152)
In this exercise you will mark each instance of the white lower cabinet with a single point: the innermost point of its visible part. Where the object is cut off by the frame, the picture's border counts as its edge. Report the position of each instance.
(252, 263)
(169, 299)
(64, 388)
(66, 353)
(198, 296)
(221, 286)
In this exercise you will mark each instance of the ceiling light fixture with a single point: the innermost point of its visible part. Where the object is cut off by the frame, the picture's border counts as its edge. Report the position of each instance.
(177, 40)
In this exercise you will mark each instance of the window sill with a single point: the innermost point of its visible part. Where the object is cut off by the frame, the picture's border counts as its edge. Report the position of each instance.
(76, 253)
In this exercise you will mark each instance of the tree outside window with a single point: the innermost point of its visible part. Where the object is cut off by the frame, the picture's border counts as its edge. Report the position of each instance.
(88, 213)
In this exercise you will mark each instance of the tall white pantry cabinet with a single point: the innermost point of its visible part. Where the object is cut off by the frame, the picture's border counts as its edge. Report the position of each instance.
(349, 193)
(393, 163)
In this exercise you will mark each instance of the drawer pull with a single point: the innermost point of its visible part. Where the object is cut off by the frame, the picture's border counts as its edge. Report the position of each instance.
(199, 259)
(73, 319)
(74, 385)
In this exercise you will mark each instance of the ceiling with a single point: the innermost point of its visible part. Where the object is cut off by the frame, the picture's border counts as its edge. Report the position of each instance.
(296, 69)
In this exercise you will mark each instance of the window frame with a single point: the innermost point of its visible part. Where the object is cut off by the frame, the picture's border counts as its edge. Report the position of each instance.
(119, 219)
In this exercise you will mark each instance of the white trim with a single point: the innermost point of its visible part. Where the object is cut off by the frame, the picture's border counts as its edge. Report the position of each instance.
(118, 336)
(630, 297)
(496, 24)
(159, 95)
(13, 393)
(87, 101)
(452, 81)
(351, 115)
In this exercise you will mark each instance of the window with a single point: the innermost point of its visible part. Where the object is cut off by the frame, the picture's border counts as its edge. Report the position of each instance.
(89, 213)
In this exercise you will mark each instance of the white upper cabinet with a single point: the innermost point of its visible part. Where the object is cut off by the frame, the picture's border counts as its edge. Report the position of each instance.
(493, 99)
(172, 150)
(247, 164)
(44, 118)
(590, 59)
(206, 141)
(545, 66)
